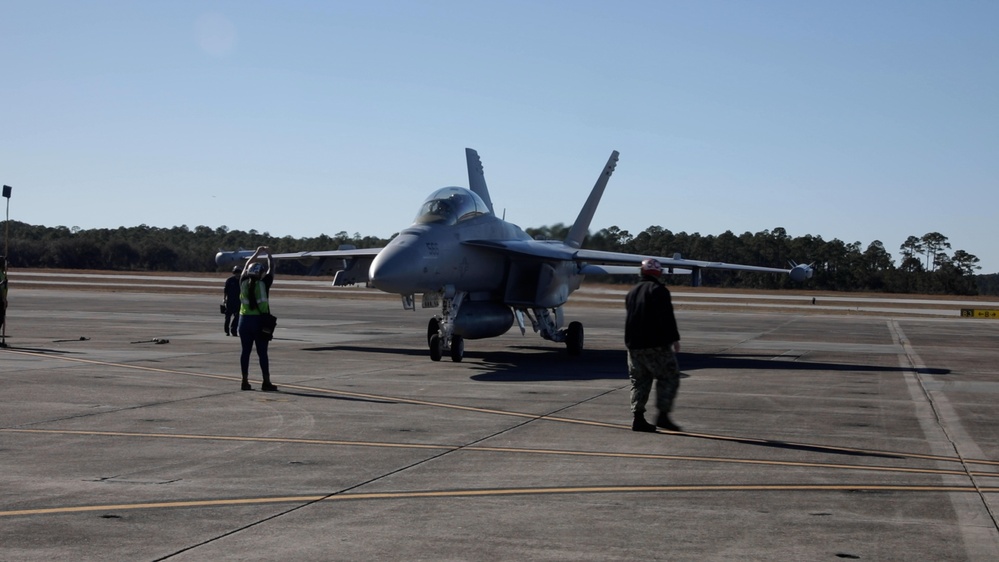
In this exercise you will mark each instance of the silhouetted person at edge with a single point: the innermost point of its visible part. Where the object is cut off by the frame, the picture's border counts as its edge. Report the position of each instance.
(3, 296)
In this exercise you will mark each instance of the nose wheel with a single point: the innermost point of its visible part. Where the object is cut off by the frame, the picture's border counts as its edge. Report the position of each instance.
(436, 351)
(438, 346)
(433, 329)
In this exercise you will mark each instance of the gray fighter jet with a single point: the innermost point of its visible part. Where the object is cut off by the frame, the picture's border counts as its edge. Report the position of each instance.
(485, 273)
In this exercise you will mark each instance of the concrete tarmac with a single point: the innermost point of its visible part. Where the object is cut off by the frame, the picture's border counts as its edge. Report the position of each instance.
(806, 437)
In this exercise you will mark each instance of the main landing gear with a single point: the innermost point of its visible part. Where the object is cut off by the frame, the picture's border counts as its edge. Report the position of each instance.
(547, 323)
(484, 319)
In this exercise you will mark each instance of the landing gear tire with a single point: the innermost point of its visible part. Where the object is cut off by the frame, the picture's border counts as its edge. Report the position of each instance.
(574, 339)
(433, 328)
(435, 348)
(457, 348)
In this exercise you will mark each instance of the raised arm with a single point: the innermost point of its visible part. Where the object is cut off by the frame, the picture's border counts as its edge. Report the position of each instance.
(255, 257)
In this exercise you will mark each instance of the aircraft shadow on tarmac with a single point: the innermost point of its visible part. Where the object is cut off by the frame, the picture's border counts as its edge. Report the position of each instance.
(540, 363)
(549, 364)
(329, 397)
(809, 448)
(519, 363)
(612, 364)
(42, 350)
(767, 362)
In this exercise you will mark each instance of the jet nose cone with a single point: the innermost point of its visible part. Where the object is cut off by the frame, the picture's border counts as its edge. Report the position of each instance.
(392, 270)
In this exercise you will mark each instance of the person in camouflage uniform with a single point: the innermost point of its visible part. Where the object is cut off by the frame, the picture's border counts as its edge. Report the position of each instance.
(653, 340)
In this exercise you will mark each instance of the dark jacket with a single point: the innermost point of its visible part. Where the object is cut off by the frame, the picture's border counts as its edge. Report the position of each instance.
(232, 294)
(650, 321)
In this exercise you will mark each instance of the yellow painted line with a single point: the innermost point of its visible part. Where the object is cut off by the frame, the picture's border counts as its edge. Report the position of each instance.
(500, 492)
(417, 402)
(836, 449)
(659, 489)
(160, 505)
(729, 460)
(513, 450)
(119, 365)
(290, 440)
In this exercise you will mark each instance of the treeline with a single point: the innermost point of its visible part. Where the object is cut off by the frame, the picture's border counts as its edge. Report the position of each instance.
(926, 265)
(988, 284)
(146, 248)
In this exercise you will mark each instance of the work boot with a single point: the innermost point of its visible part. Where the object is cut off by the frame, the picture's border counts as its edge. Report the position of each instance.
(245, 386)
(268, 387)
(664, 422)
(641, 425)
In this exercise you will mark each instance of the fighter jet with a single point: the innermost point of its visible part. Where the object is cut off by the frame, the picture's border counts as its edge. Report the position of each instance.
(484, 273)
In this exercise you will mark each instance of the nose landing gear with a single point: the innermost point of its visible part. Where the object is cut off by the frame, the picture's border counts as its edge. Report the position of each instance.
(439, 344)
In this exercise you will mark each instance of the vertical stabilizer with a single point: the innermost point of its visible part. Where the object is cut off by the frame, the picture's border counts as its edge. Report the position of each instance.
(582, 224)
(477, 178)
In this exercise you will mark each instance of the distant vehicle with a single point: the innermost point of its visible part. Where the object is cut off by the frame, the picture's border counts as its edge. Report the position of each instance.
(485, 273)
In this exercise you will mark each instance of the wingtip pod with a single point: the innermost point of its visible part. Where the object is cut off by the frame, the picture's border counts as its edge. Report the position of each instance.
(225, 259)
(800, 273)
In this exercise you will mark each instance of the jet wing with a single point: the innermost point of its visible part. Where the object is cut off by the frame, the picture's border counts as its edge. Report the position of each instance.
(598, 269)
(618, 263)
(616, 258)
(343, 254)
(350, 265)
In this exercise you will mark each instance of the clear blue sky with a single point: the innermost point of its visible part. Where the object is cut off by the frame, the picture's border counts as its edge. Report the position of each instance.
(856, 120)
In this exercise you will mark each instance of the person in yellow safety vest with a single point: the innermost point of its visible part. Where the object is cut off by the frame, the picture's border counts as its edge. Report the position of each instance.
(254, 289)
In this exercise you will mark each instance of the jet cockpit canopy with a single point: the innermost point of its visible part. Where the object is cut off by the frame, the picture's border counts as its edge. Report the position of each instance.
(450, 205)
